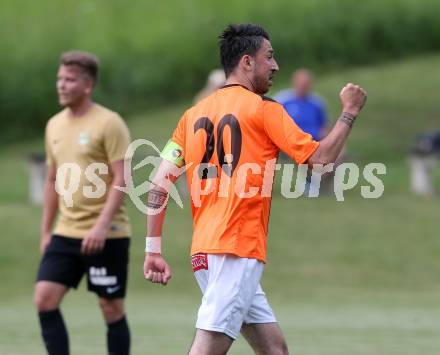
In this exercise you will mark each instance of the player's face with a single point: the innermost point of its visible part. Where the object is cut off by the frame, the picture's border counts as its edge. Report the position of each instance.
(265, 68)
(72, 85)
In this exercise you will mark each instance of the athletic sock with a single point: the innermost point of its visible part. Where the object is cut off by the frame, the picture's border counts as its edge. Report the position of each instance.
(54, 332)
(118, 337)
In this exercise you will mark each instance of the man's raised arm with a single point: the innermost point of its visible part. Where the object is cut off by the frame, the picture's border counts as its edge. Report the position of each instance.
(353, 99)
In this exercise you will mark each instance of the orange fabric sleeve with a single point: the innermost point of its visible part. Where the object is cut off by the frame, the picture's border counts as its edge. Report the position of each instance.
(285, 134)
(179, 133)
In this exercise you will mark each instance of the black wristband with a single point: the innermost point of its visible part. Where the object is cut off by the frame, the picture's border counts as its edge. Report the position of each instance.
(347, 118)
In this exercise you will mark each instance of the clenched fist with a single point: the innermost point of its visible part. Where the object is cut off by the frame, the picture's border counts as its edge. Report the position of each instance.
(156, 269)
(353, 98)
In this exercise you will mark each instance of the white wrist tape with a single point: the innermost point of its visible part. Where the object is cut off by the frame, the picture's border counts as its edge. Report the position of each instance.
(153, 244)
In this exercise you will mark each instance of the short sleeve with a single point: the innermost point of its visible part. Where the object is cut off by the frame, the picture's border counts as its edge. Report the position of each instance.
(285, 134)
(179, 133)
(174, 153)
(174, 150)
(116, 139)
(50, 159)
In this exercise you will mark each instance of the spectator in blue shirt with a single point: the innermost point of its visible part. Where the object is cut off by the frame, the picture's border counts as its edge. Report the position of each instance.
(307, 109)
(310, 114)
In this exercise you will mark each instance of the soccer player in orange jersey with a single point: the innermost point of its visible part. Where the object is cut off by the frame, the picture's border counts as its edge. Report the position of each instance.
(225, 143)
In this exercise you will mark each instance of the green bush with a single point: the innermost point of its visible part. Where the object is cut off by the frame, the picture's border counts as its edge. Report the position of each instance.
(157, 52)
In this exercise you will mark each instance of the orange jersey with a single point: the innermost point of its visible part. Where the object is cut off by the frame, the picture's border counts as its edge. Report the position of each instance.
(235, 132)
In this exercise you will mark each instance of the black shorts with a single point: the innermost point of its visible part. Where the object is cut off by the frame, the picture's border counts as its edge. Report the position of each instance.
(106, 272)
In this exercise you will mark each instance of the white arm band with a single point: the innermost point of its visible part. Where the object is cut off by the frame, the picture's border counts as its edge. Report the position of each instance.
(153, 244)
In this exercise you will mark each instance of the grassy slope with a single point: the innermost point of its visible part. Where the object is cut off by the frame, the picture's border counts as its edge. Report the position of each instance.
(359, 277)
(177, 40)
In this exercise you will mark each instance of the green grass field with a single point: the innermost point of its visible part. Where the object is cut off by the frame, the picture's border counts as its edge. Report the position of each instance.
(354, 278)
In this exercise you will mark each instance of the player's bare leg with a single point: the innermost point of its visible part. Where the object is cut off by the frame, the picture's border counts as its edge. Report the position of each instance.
(47, 299)
(118, 333)
(112, 309)
(265, 338)
(210, 343)
(48, 295)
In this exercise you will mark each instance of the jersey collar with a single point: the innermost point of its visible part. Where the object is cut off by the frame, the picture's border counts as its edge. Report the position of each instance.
(231, 85)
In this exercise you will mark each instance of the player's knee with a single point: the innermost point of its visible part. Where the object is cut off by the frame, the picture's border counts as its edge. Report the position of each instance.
(45, 301)
(279, 347)
(112, 310)
(282, 348)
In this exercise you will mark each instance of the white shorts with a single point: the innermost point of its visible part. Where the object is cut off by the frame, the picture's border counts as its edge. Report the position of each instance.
(232, 294)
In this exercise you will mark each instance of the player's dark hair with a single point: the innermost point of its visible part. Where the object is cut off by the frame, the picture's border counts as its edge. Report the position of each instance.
(88, 62)
(237, 41)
